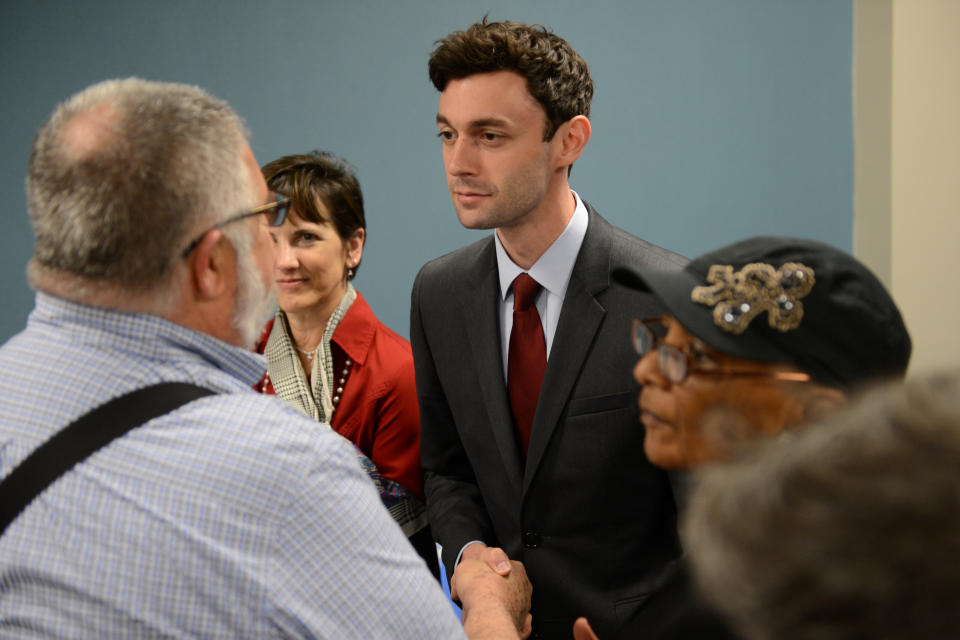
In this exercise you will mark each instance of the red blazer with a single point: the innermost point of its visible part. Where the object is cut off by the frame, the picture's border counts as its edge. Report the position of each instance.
(378, 409)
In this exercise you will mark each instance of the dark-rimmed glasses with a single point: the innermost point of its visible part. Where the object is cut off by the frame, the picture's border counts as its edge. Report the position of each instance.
(274, 213)
(647, 335)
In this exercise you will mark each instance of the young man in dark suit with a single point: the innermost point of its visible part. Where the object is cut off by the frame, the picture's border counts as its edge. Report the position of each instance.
(530, 439)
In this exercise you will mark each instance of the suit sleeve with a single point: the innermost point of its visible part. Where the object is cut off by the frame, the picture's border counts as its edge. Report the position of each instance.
(454, 504)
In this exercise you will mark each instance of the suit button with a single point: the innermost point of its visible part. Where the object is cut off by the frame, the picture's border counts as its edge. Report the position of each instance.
(531, 540)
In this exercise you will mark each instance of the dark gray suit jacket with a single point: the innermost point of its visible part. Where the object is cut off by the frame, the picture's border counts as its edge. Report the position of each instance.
(593, 522)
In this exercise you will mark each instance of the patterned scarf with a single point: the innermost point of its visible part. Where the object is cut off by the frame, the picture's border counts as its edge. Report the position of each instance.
(289, 379)
(315, 399)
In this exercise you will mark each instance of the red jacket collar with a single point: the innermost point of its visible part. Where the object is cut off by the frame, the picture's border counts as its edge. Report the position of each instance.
(354, 334)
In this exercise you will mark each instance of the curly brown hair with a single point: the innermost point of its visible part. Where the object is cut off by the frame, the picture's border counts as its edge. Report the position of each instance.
(319, 177)
(557, 77)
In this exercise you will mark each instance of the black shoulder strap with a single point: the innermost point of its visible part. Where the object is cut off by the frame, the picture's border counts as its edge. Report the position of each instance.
(83, 437)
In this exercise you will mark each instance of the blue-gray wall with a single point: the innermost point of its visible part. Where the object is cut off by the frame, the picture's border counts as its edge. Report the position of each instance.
(712, 119)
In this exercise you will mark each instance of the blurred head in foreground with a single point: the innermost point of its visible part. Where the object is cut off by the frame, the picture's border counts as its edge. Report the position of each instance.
(848, 529)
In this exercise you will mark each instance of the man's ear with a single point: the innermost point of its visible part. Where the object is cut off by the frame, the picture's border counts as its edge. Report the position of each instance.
(571, 138)
(212, 266)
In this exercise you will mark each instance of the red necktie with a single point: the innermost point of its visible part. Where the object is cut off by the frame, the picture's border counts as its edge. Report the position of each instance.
(527, 357)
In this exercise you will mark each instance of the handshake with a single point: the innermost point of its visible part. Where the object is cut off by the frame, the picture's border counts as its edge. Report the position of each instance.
(494, 592)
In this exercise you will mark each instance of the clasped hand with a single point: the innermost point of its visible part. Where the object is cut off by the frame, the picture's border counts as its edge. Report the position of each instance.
(494, 592)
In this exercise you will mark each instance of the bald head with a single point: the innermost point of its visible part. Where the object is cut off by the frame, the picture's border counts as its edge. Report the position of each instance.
(122, 172)
(89, 132)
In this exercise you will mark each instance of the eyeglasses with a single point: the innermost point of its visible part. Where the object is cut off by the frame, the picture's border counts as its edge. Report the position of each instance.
(274, 213)
(647, 335)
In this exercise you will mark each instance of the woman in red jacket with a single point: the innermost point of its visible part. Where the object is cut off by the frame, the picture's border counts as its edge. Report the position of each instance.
(327, 354)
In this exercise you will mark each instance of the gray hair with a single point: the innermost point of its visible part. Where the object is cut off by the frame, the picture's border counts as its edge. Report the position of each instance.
(122, 172)
(848, 529)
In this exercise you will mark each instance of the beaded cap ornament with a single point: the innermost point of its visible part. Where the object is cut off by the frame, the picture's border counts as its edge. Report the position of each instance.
(739, 297)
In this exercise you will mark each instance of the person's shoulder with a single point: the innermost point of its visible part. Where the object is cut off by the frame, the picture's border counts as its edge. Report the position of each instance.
(389, 339)
(456, 265)
(393, 353)
(627, 249)
(268, 428)
(383, 337)
(253, 452)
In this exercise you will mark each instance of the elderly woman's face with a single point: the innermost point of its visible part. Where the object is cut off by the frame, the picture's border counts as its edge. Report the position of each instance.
(722, 399)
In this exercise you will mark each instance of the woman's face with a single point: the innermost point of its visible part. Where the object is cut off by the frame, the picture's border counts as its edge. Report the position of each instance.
(310, 264)
(694, 421)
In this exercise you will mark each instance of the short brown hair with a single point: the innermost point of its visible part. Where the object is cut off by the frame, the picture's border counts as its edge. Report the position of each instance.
(320, 177)
(557, 77)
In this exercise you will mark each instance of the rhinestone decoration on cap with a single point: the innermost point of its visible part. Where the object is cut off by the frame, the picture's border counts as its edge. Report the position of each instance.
(739, 297)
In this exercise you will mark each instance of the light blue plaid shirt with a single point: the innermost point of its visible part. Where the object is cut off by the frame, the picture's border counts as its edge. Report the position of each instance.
(234, 516)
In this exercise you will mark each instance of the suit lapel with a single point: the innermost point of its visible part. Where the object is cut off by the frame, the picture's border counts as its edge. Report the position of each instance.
(480, 307)
(580, 318)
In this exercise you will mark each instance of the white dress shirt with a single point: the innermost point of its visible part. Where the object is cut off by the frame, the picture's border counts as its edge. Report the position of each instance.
(552, 270)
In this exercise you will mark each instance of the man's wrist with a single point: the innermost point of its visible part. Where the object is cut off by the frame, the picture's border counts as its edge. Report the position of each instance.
(478, 546)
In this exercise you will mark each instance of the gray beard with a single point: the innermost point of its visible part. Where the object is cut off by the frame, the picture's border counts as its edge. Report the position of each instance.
(255, 303)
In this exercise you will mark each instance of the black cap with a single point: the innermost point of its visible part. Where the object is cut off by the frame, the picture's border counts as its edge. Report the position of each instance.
(788, 300)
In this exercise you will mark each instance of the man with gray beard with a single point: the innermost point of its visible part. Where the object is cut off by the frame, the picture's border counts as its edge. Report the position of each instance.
(232, 515)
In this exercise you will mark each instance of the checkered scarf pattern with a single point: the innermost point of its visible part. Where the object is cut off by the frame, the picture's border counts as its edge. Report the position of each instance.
(287, 374)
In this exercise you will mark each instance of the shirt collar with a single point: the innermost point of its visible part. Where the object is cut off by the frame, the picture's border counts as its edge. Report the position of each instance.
(552, 270)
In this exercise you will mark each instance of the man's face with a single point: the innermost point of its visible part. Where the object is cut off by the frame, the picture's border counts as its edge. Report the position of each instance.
(255, 299)
(498, 166)
(696, 420)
